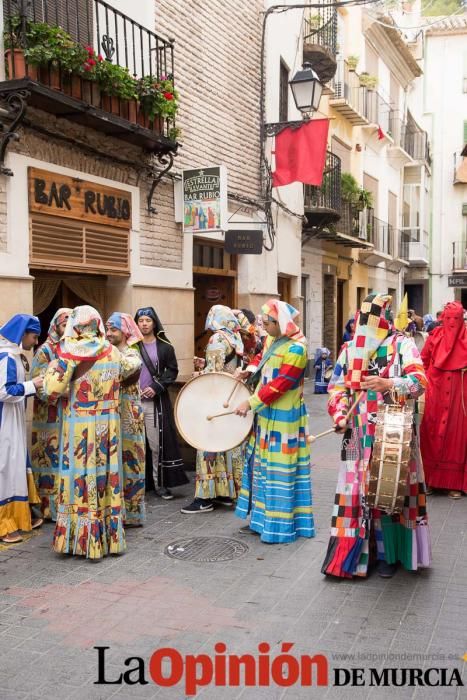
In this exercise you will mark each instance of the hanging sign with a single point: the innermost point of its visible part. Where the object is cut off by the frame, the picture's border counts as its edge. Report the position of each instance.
(459, 280)
(242, 242)
(205, 200)
(73, 198)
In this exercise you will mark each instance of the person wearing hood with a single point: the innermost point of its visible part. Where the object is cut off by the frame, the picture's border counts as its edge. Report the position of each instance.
(90, 507)
(383, 366)
(47, 421)
(21, 332)
(349, 330)
(123, 332)
(276, 483)
(218, 474)
(164, 464)
(444, 426)
(323, 366)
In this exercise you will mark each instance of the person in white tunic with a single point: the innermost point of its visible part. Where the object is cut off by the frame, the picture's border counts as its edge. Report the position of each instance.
(21, 332)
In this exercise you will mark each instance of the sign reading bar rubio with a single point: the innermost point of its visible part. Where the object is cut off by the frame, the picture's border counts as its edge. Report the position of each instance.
(73, 198)
(205, 200)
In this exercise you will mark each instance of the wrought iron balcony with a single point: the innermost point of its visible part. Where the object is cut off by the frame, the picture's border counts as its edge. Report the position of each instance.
(414, 247)
(410, 141)
(320, 41)
(57, 79)
(322, 203)
(459, 256)
(357, 103)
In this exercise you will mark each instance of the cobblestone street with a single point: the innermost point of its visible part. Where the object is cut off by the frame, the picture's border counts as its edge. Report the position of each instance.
(55, 609)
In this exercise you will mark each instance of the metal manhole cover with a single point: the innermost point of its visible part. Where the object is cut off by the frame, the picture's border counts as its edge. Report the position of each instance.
(206, 549)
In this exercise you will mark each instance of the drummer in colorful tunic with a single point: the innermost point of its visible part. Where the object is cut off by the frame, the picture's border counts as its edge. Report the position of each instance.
(218, 474)
(386, 365)
(276, 484)
(123, 332)
(47, 422)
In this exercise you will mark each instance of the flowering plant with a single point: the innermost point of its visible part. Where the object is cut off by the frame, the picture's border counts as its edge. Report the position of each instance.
(51, 44)
(158, 96)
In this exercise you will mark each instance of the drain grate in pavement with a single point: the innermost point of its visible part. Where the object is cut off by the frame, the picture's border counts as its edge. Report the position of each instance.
(206, 549)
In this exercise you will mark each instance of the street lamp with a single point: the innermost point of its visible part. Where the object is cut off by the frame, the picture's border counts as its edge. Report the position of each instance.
(306, 89)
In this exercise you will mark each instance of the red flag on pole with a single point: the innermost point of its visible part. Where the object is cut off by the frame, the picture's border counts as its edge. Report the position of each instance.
(301, 153)
(380, 133)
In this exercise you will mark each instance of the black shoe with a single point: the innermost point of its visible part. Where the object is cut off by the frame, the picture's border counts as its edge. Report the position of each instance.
(385, 570)
(199, 505)
(224, 501)
(164, 493)
(246, 530)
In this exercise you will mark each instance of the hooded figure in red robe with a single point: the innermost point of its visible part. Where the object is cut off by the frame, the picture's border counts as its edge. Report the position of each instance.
(443, 435)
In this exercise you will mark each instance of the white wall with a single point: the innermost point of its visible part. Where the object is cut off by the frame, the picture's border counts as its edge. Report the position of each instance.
(446, 107)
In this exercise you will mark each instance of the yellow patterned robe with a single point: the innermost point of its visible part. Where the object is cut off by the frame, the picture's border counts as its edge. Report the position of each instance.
(90, 510)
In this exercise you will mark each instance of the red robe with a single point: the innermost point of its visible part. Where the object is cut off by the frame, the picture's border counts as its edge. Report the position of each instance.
(443, 435)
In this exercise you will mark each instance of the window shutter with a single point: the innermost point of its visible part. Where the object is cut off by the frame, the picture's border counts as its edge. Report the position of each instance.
(464, 142)
(464, 210)
(71, 246)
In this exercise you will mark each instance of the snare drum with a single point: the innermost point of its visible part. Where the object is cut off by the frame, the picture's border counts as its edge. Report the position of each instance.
(389, 466)
(205, 396)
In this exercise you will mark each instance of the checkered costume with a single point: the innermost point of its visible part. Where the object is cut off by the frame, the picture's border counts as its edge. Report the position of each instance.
(357, 530)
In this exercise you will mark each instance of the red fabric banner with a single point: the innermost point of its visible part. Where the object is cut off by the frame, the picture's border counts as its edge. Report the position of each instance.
(301, 153)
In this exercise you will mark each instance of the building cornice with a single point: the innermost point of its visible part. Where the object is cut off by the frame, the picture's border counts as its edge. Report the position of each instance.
(390, 45)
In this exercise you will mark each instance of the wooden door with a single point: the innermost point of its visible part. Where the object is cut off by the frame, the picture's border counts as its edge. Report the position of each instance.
(283, 288)
(209, 290)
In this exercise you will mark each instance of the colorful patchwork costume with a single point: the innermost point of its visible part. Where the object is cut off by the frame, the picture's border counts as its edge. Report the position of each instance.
(376, 349)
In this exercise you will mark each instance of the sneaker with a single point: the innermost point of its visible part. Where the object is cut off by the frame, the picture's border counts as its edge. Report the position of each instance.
(199, 505)
(385, 570)
(224, 501)
(246, 530)
(164, 493)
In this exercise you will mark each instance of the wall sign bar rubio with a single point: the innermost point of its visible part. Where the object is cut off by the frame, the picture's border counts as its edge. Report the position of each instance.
(205, 200)
(73, 198)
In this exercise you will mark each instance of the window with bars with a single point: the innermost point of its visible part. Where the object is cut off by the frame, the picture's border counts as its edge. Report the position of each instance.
(283, 93)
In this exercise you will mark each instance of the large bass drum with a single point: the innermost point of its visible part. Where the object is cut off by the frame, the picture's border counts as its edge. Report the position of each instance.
(206, 396)
(389, 466)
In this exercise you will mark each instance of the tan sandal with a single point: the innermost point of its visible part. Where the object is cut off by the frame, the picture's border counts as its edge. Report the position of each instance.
(455, 494)
(36, 522)
(429, 491)
(12, 538)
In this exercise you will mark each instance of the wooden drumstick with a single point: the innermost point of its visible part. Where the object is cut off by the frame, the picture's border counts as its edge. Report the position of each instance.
(226, 403)
(341, 424)
(216, 415)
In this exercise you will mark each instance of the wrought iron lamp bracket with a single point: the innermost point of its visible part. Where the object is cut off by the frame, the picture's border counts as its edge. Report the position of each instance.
(274, 128)
(166, 161)
(15, 104)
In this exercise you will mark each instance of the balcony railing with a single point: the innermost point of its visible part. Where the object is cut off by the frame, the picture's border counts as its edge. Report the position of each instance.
(411, 140)
(93, 24)
(328, 195)
(320, 41)
(459, 256)
(382, 236)
(320, 27)
(360, 104)
(414, 246)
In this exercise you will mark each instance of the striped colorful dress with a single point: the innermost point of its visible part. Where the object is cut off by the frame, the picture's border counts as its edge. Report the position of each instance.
(276, 484)
(90, 511)
(355, 527)
(133, 445)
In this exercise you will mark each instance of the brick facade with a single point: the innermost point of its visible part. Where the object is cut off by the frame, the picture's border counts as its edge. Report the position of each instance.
(217, 72)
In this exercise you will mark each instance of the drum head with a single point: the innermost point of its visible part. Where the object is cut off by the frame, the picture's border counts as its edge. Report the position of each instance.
(204, 396)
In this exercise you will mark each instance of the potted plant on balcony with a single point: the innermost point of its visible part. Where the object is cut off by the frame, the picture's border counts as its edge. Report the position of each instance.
(118, 88)
(368, 81)
(352, 62)
(315, 21)
(54, 52)
(89, 72)
(13, 40)
(158, 100)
